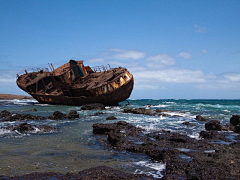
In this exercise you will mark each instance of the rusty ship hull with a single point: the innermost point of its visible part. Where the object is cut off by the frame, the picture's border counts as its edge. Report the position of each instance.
(75, 84)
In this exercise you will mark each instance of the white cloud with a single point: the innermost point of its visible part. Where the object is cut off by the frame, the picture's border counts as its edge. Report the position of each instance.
(96, 60)
(160, 61)
(127, 54)
(145, 86)
(199, 29)
(171, 76)
(7, 80)
(234, 77)
(185, 55)
(204, 51)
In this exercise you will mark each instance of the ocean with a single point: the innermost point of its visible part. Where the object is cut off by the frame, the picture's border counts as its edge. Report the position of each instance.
(73, 147)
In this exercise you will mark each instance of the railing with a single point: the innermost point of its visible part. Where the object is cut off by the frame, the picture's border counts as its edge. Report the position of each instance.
(101, 68)
(29, 70)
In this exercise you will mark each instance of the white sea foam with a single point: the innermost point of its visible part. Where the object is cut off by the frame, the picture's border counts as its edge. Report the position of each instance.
(160, 106)
(4, 131)
(156, 168)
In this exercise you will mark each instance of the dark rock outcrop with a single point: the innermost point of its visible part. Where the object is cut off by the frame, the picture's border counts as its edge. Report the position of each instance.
(97, 106)
(185, 157)
(22, 117)
(73, 115)
(5, 113)
(200, 118)
(111, 118)
(98, 173)
(213, 125)
(28, 128)
(58, 115)
(235, 120)
(139, 111)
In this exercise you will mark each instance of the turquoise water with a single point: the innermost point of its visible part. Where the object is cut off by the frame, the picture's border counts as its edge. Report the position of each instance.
(73, 147)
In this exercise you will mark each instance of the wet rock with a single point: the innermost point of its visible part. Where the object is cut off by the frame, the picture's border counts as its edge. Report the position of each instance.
(185, 157)
(237, 129)
(188, 123)
(73, 115)
(5, 113)
(228, 127)
(235, 120)
(57, 115)
(200, 118)
(28, 128)
(213, 125)
(98, 173)
(139, 111)
(22, 117)
(97, 106)
(111, 118)
(211, 134)
(98, 113)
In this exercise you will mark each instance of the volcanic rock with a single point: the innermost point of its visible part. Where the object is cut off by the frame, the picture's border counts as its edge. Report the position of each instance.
(28, 128)
(97, 106)
(200, 118)
(139, 111)
(185, 157)
(58, 115)
(5, 113)
(22, 117)
(73, 115)
(111, 118)
(98, 173)
(213, 125)
(235, 120)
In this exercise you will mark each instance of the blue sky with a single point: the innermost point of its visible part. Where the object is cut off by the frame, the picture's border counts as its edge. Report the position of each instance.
(188, 49)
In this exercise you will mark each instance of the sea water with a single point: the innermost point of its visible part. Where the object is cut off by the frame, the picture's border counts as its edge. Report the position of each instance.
(73, 147)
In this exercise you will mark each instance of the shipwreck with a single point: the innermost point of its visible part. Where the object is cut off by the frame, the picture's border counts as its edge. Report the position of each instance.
(76, 84)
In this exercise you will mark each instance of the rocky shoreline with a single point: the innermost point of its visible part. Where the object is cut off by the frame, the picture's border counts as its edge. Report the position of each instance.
(215, 155)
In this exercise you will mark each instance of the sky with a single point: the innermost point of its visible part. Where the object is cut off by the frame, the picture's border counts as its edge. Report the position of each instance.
(175, 49)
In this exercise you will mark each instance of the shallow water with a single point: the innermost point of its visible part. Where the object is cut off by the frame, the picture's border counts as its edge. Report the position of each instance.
(73, 147)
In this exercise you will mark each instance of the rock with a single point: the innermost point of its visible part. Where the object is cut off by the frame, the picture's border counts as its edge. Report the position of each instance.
(28, 128)
(98, 113)
(200, 118)
(235, 120)
(111, 118)
(98, 106)
(5, 113)
(213, 125)
(73, 115)
(139, 111)
(58, 115)
(209, 134)
(185, 157)
(98, 173)
(188, 123)
(237, 129)
(22, 117)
